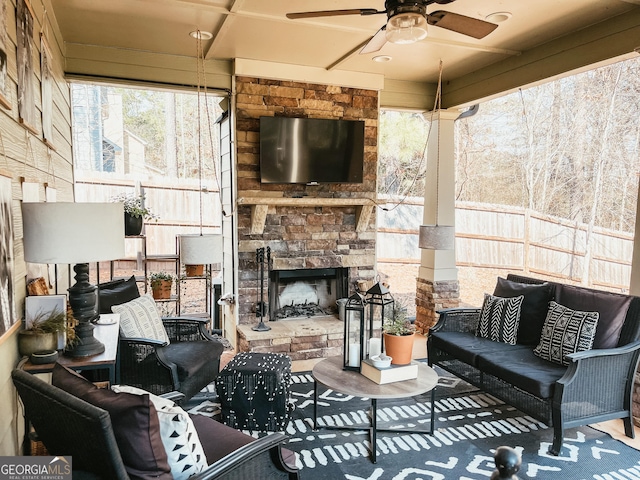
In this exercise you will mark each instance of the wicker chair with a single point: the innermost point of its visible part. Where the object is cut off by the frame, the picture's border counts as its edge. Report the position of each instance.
(69, 426)
(189, 363)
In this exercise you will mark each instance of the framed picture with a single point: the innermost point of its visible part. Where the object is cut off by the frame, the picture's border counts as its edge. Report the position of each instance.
(35, 305)
(42, 306)
(7, 287)
(26, 77)
(46, 85)
(4, 81)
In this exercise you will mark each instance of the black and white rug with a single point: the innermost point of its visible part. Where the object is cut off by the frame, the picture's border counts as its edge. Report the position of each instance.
(470, 425)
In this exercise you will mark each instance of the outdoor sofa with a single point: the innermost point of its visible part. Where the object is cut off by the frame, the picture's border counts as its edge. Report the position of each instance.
(538, 377)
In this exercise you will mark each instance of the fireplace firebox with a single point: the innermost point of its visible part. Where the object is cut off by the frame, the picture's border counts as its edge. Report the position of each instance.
(304, 293)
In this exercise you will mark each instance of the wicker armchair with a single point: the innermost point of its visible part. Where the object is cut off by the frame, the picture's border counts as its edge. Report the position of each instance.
(69, 426)
(190, 362)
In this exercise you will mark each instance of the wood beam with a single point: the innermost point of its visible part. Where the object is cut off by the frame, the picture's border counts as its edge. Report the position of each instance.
(599, 43)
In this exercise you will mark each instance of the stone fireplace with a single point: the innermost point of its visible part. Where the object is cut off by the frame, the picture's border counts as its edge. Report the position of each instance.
(321, 237)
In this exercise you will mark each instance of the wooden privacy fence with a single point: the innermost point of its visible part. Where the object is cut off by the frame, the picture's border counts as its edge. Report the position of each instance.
(175, 201)
(517, 239)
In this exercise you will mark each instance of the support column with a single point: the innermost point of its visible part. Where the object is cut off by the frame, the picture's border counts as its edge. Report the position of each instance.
(437, 283)
(634, 289)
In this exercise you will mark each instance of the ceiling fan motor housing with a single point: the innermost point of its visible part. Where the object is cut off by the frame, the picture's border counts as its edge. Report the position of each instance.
(396, 7)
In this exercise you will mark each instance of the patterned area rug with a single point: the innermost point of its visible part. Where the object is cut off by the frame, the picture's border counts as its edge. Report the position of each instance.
(470, 425)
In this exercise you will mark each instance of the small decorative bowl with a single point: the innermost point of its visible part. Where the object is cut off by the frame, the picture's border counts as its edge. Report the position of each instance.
(42, 358)
(381, 361)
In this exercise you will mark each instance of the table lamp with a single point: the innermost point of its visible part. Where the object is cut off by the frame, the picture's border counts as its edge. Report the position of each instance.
(75, 233)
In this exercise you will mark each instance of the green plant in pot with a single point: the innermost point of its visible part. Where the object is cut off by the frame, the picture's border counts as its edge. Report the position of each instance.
(135, 212)
(43, 333)
(398, 333)
(161, 283)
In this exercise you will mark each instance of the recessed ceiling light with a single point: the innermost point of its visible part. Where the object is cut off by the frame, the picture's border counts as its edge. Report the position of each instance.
(498, 17)
(382, 58)
(201, 35)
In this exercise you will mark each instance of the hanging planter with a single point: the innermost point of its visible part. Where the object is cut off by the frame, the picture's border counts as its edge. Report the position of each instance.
(132, 225)
(135, 213)
(194, 270)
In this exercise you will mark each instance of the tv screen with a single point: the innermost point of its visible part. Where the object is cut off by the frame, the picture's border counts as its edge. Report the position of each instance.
(311, 150)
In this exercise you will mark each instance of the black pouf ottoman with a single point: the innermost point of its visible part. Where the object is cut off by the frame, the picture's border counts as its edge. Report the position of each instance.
(254, 391)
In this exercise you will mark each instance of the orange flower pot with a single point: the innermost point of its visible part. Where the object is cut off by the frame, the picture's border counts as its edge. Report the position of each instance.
(161, 290)
(399, 348)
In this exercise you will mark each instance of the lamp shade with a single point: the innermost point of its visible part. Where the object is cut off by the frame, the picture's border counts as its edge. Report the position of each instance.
(200, 249)
(437, 237)
(72, 232)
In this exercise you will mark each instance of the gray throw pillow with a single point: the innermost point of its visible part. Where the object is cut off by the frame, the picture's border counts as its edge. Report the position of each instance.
(566, 331)
(499, 318)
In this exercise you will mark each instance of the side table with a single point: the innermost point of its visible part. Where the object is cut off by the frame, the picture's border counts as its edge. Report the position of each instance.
(329, 373)
(106, 331)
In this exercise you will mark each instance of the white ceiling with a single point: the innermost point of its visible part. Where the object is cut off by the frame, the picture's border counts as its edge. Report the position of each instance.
(259, 30)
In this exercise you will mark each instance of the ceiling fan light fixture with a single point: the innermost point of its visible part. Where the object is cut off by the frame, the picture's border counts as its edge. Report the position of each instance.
(498, 17)
(199, 34)
(382, 58)
(408, 27)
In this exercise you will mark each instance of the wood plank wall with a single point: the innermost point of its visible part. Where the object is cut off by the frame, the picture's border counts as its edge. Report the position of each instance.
(26, 155)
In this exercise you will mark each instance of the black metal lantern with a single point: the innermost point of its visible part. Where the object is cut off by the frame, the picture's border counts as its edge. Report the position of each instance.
(356, 332)
(381, 305)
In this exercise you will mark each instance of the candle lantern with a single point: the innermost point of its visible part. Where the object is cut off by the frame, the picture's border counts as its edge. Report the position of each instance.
(356, 332)
(381, 305)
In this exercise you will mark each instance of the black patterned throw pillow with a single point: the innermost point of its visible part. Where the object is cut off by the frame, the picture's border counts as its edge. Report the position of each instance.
(566, 331)
(499, 318)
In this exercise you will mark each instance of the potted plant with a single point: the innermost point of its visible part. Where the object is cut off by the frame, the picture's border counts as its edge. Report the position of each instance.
(42, 335)
(161, 285)
(135, 212)
(398, 334)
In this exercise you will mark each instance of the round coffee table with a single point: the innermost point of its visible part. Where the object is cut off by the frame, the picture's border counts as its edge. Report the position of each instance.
(329, 373)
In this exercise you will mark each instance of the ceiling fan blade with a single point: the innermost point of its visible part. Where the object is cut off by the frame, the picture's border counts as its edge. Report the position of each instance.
(455, 22)
(334, 13)
(376, 43)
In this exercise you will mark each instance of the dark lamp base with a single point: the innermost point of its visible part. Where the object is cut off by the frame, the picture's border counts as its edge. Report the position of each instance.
(86, 344)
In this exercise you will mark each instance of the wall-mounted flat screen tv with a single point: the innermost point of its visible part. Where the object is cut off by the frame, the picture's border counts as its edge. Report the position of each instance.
(311, 150)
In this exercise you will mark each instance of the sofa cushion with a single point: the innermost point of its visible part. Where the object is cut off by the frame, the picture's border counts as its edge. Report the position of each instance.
(117, 292)
(499, 318)
(140, 318)
(210, 433)
(179, 436)
(534, 307)
(612, 308)
(467, 347)
(522, 368)
(134, 421)
(191, 358)
(566, 331)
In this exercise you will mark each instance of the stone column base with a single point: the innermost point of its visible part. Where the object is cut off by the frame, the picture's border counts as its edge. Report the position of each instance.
(432, 296)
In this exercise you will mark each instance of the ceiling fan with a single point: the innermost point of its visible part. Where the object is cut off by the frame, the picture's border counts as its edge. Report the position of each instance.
(407, 22)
